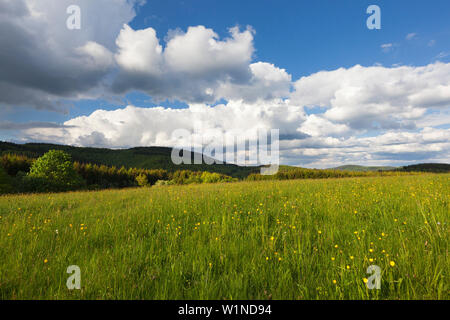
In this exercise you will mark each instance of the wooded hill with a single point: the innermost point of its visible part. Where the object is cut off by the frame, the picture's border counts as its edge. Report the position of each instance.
(160, 158)
(140, 158)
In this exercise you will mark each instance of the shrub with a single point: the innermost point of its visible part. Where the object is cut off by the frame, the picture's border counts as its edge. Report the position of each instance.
(142, 180)
(162, 183)
(208, 177)
(54, 171)
(189, 177)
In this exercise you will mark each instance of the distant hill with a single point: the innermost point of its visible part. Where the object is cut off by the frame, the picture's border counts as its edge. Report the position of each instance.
(140, 157)
(160, 158)
(421, 167)
(428, 167)
(288, 168)
(364, 168)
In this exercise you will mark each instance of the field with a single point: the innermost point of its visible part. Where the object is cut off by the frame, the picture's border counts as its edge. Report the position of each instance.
(302, 239)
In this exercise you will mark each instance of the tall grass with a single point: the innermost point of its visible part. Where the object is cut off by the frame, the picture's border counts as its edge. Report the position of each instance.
(303, 239)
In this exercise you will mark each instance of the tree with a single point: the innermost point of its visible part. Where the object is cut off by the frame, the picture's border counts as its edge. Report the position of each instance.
(54, 171)
(142, 180)
(5, 182)
(13, 163)
(208, 177)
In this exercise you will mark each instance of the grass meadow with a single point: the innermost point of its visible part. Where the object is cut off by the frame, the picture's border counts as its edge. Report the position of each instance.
(302, 239)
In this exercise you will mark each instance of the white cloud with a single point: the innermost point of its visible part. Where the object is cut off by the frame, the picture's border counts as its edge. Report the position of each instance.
(133, 126)
(411, 36)
(369, 115)
(374, 114)
(196, 66)
(95, 56)
(376, 97)
(317, 125)
(139, 51)
(435, 119)
(267, 82)
(386, 47)
(392, 148)
(200, 52)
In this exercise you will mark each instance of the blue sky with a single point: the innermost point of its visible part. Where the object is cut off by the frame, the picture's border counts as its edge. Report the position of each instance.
(301, 37)
(307, 36)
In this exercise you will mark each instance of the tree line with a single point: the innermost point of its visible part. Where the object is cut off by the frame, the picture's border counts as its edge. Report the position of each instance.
(302, 173)
(56, 172)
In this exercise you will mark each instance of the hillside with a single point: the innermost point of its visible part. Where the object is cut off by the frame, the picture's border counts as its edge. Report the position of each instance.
(160, 158)
(421, 167)
(428, 167)
(140, 157)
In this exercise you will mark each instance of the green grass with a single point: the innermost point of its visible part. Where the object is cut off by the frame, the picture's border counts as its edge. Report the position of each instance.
(215, 241)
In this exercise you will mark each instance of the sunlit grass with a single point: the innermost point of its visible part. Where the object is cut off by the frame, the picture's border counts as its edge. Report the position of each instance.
(305, 239)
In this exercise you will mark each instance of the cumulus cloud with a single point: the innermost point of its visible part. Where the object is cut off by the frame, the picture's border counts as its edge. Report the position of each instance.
(391, 148)
(267, 82)
(196, 66)
(376, 97)
(43, 61)
(368, 115)
(317, 125)
(134, 126)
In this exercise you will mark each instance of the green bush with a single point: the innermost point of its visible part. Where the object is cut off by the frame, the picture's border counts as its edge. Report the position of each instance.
(190, 177)
(208, 177)
(163, 183)
(142, 180)
(54, 171)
